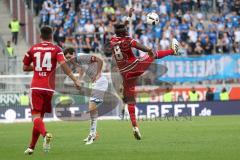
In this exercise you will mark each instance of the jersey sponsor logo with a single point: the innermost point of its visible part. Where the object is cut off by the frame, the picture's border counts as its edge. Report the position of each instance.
(125, 46)
(44, 48)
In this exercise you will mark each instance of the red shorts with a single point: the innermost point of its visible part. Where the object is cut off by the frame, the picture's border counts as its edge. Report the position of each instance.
(41, 101)
(130, 78)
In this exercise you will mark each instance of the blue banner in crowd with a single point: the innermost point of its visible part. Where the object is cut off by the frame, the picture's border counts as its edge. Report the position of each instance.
(193, 69)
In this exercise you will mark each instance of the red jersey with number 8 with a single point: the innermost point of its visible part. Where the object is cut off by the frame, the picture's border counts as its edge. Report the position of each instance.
(44, 57)
(122, 49)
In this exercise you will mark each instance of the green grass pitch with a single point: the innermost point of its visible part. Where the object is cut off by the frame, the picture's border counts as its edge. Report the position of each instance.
(210, 138)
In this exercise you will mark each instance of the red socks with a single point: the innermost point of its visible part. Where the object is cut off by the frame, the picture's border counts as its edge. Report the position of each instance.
(131, 110)
(35, 136)
(163, 53)
(39, 126)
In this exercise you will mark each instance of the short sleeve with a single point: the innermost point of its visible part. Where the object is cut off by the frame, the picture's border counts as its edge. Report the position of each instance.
(60, 55)
(86, 59)
(27, 60)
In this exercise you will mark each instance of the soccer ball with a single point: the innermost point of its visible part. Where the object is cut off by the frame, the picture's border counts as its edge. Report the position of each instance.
(152, 18)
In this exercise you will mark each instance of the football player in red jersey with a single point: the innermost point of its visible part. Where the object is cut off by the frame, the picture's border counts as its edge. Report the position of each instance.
(42, 59)
(131, 67)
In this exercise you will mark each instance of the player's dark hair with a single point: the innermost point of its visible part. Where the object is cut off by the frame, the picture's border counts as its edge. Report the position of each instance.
(120, 30)
(46, 32)
(69, 50)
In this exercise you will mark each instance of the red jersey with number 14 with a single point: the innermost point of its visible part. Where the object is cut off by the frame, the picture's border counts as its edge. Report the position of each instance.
(122, 50)
(44, 57)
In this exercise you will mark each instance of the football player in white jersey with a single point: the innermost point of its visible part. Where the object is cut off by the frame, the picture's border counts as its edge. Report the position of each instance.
(92, 66)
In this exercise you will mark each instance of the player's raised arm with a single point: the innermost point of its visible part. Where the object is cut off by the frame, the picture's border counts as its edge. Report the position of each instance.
(130, 12)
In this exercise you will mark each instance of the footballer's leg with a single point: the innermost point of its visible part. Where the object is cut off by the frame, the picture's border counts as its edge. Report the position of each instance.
(96, 99)
(93, 123)
(47, 108)
(141, 66)
(46, 142)
(38, 126)
(35, 136)
(37, 111)
(129, 99)
(131, 110)
(46, 139)
(173, 51)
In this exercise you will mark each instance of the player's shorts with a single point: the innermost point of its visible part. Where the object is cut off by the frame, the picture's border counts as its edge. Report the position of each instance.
(130, 78)
(98, 90)
(41, 101)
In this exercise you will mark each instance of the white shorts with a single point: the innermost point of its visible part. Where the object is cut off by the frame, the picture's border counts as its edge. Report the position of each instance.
(98, 89)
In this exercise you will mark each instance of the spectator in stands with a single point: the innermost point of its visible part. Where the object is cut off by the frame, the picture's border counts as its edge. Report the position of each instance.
(109, 10)
(86, 45)
(163, 8)
(164, 43)
(204, 5)
(185, 49)
(209, 94)
(176, 20)
(59, 36)
(207, 46)
(236, 6)
(223, 44)
(236, 47)
(44, 17)
(220, 5)
(177, 5)
(96, 45)
(237, 40)
(89, 28)
(37, 5)
(198, 49)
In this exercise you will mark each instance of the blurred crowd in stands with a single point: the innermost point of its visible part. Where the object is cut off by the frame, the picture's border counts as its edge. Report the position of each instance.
(202, 26)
